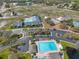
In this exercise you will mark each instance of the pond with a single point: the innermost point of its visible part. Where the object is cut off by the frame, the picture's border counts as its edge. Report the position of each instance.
(72, 53)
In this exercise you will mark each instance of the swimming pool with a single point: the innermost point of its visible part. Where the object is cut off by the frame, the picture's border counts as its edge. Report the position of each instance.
(45, 46)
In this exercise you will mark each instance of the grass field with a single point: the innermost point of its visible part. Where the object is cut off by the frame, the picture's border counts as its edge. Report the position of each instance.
(43, 10)
(4, 54)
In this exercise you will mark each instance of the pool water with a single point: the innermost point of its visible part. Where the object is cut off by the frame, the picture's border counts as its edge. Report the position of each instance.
(47, 46)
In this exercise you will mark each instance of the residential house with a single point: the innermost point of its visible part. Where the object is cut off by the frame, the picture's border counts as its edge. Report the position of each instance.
(53, 21)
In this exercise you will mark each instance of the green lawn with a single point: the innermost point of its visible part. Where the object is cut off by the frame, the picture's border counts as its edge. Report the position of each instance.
(4, 54)
(67, 44)
(24, 55)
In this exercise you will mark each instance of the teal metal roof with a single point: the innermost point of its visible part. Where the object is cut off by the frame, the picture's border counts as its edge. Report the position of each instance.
(76, 23)
(32, 19)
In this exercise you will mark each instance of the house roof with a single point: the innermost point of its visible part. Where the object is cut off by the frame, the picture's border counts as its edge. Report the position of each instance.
(60, 19)
(55, 21)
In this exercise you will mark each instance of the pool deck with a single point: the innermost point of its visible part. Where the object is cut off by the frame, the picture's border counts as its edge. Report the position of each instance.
(40, 55)
(37, 43)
